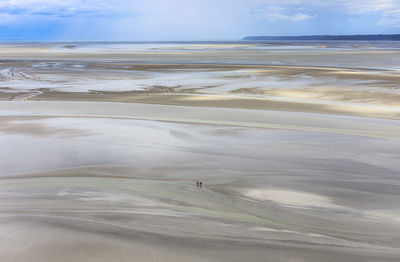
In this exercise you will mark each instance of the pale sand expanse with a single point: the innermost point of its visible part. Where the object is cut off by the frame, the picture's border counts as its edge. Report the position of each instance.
(337, 54)
(358, 92)
(221, 116)
(105, 181)
(359, 79)
(291, 198)
(298, 147)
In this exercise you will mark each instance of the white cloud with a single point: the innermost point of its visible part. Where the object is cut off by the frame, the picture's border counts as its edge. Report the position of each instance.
(282, 17)
(390, 18)
(6, 18)
(388, 10)
(300, 17)
(371, 6)
(57, 7)
(21, 11)
(200, 19)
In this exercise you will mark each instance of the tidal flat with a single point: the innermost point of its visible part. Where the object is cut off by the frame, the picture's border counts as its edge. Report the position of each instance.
(297, 145)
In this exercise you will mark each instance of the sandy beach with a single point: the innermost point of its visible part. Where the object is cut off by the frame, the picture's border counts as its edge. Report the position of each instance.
(102, 145)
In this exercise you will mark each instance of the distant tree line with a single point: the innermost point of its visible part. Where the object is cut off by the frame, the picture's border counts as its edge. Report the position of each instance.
(392, 37)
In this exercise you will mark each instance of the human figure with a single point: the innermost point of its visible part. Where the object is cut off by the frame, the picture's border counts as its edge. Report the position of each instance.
(201, 184)
(197, 182)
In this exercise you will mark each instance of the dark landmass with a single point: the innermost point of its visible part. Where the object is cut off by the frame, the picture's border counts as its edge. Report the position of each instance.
(392, 37)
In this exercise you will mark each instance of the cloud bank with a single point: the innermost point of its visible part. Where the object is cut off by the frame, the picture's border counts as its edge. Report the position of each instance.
(192, 19)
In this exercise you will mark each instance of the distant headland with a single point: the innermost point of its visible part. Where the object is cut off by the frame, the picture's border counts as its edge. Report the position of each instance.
(391, 37)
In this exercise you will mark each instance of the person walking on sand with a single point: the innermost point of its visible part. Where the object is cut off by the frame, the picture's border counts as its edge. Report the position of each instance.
(201, 184)
(197, 182)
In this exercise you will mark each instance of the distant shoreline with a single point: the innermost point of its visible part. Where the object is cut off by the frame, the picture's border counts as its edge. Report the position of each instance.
(381, 37)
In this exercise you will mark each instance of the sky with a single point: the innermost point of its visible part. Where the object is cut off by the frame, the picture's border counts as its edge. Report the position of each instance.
(169, 20)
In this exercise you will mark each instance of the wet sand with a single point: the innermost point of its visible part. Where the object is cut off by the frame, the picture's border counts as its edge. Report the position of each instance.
(299, 162)
(94, 178)
(319, 89)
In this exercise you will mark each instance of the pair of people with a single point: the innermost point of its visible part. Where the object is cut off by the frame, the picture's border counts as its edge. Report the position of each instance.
(199, 183)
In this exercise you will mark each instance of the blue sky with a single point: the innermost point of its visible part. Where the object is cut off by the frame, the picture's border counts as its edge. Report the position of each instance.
(165, 20)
